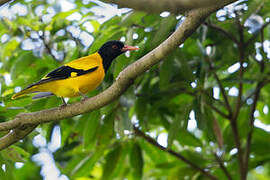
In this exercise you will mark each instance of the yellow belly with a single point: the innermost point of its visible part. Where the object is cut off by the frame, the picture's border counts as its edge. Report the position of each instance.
(72, 86)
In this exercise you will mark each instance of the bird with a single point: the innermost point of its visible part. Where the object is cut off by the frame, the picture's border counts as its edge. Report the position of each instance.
(79, 76)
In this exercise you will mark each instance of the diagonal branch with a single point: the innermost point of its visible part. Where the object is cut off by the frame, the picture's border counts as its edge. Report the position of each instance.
(217, 110)
(251, 124)
(256, 34)
(15, 135)
(221, 87)
(124, 80)
(46, 45)
(221, 165)
(2, 2)
(138, 132)
(223, 31)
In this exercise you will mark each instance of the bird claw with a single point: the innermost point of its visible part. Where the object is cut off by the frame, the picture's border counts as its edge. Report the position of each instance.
(63, 105)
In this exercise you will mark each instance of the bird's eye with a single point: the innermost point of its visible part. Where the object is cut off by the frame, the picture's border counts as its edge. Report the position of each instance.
(114, 47)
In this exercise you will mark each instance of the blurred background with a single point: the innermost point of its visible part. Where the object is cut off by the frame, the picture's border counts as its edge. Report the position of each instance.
(173, 102)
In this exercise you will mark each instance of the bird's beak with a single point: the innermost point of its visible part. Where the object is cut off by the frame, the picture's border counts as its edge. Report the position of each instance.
(129, 48)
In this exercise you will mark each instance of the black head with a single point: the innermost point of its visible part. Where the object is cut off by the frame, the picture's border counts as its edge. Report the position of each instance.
(110, 50)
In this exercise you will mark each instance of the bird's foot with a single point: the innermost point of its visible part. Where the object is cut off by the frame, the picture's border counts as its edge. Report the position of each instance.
(64, 103)
(84, 96)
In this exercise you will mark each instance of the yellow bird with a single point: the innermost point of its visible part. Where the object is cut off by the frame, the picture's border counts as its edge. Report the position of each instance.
(77, 77)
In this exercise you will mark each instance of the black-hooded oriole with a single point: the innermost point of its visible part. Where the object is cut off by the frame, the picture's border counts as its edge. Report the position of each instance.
(79, 76)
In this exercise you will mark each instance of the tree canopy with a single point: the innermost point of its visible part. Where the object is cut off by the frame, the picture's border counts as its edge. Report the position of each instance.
(192, 103)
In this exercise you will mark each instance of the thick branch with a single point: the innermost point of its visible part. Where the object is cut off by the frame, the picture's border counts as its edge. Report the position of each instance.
(3, 2)
(173, 6)
(15, 135)
(138, 132)
(193, 20)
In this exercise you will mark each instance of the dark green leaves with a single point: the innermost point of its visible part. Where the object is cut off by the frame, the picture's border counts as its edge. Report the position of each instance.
(136, 161)
(111, 162)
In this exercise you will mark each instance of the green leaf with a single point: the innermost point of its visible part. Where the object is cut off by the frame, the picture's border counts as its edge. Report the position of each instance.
(135, 17)
(22, 62)
(178, 126)
(119, 65)
(167, 25)
(187, 138)
(166, 72)
(153, 152)
(261, 142)
(90, 129)
(111, 161)
(106, 130)
(95, 25)
(136, 161)
(9, 47)
(15, 154)
(86, 164)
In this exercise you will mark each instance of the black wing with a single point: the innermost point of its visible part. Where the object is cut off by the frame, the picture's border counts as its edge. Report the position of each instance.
(63, 72)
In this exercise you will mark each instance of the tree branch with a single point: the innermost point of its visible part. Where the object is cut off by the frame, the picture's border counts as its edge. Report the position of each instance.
(251, 124)
(150, 140)
(221, 165)
(259, 86)
(223, 31)
(46, 45)
(2, 2)
(173, 6)
(234, 125)
(222, 89)
(256, 34)
(15, 135)
(241, 48)
(217, 110)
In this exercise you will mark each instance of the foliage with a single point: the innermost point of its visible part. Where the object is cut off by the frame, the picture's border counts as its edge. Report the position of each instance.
(165, 101)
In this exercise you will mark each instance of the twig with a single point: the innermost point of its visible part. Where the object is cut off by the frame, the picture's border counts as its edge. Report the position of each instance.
(253, 108)
(221, 165)
(218, 111)
(241, 70)
(222, 89)
(233, 121)
(223, 31)
(256, 34)
(251, 124)
(47, 46)
(150, 140)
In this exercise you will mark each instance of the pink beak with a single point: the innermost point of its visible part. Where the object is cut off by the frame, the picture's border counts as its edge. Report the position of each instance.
(129, 48)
